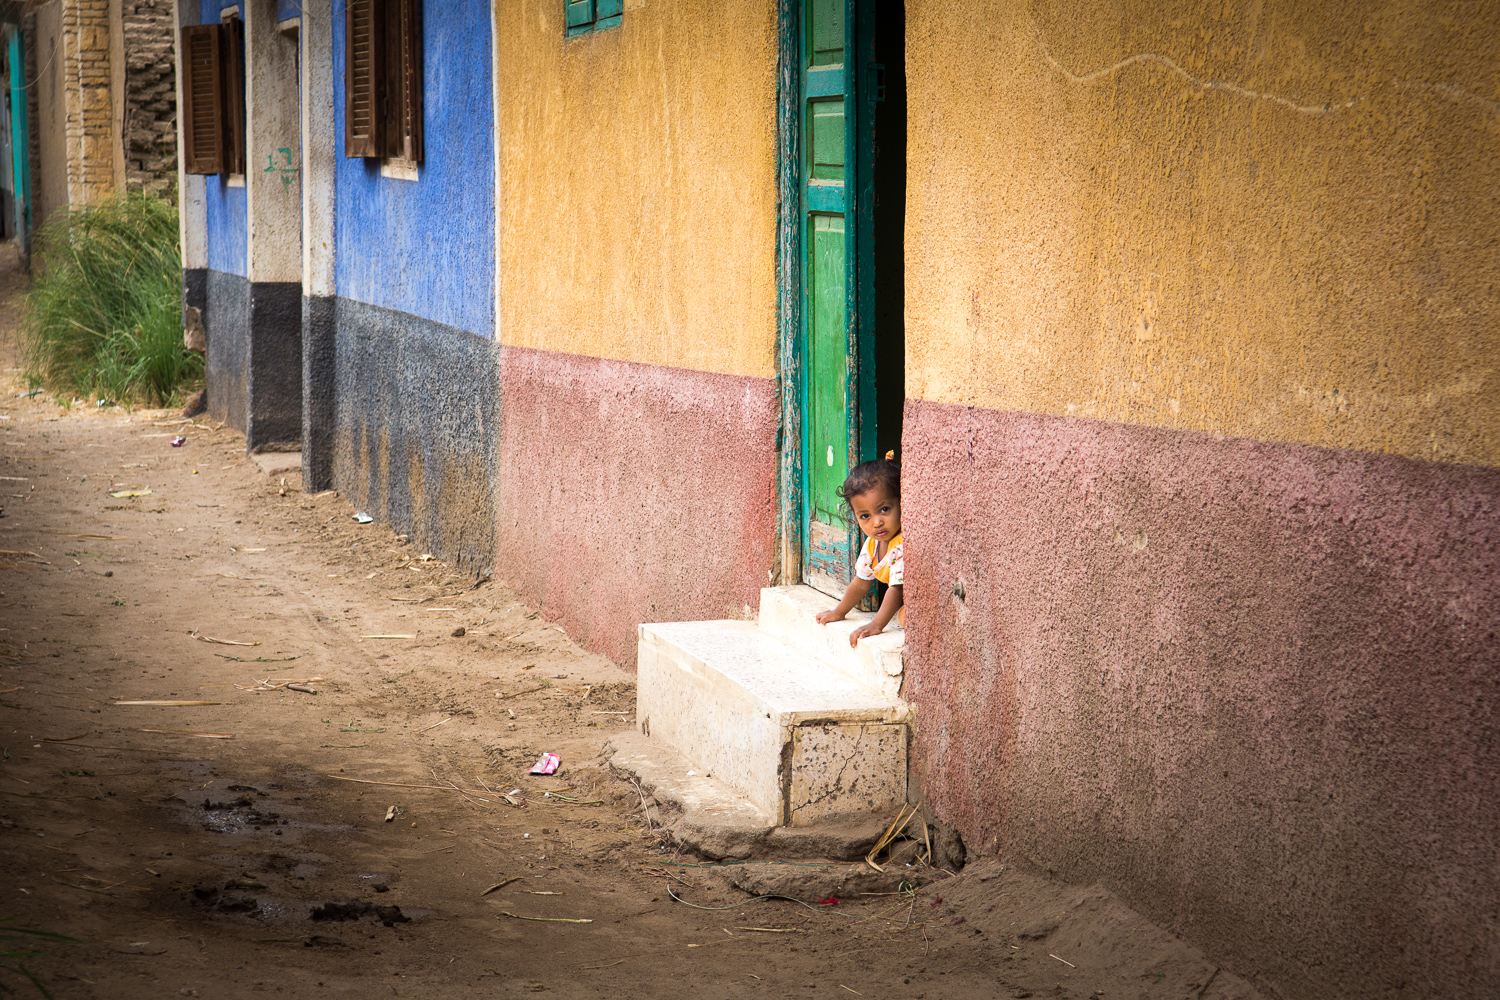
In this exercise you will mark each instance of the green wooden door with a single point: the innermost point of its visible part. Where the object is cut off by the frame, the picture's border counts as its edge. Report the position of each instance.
(837, 412)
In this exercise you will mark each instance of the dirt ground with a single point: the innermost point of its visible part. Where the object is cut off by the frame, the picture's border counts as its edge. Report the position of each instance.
(341, 843)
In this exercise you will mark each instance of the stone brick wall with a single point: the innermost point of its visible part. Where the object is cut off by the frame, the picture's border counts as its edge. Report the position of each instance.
(149, 132)
(89, 128)
(113, 124)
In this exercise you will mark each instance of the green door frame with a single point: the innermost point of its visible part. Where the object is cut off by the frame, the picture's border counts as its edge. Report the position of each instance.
(20, 136)
(862, 90)
(11, 12)
(789, 291)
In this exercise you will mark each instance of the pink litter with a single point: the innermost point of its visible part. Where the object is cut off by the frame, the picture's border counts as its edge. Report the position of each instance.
(547, 765)
(178, 441)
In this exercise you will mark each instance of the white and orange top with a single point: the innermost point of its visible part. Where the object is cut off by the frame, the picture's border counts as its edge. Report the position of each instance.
(889, 570)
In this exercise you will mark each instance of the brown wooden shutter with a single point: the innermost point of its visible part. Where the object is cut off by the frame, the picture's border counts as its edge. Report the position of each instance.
(202, 99)
(232, 37)
(389, 87)
(364, 78)
(409, 84)
(411, 80)
(383, 78)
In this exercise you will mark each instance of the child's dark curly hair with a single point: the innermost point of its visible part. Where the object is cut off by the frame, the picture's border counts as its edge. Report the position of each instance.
(866, 476)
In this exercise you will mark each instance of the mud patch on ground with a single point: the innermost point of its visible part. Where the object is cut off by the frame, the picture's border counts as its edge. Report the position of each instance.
(357, 909)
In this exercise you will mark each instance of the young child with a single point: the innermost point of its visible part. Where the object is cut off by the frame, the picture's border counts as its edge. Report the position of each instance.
(873, 493)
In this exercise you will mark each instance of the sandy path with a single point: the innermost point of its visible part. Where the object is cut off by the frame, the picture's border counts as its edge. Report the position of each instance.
(191, 865)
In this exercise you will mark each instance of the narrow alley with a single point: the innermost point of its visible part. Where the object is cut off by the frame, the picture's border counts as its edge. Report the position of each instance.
(251, 745)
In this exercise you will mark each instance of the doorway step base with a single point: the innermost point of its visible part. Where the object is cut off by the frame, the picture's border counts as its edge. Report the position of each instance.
(795, 729)
(710, 818)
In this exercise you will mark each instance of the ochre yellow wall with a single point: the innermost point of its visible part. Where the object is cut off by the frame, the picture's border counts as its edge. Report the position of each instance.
(1308, 251)
(638, 184)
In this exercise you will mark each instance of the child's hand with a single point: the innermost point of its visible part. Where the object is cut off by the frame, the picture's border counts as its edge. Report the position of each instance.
(824, 617)
(868, 628)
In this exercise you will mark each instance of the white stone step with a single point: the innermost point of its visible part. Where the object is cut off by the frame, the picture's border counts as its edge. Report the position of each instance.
(804, 742)
(789, 614)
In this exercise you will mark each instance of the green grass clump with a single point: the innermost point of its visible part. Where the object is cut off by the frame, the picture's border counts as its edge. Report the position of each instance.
(105, 317)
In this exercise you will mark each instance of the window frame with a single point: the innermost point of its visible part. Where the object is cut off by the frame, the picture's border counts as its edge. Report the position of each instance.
(583, 16)
(387, 124)
(222, 150)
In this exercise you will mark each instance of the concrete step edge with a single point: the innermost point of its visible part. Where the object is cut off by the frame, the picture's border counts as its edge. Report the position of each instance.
(787, 613)
(870, 705)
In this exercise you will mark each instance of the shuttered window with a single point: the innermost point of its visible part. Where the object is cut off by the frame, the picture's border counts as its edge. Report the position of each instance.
(383, 79)
(213, 97)
(404, 70)
(364, 62)
(232, 35)
(201, 97)
(591, 15)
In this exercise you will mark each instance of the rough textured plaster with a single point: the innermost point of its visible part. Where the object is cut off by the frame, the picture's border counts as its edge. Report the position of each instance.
(845, 770)
(191, 210)
(225, 214)
(426, 247)
(633, 493)
(1251, 687)
(227, 320)
(1306, 249)
(115, 61)
(638, 166)
(47, 120)
(209, 10)
(225, 208)
(193, 215)
(273, 149)
(319, 395)
(320, 147)
(254, 358)
(413, 437)
(273, 374)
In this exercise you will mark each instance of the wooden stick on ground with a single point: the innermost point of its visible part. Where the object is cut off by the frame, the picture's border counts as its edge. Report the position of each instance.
(546, 920)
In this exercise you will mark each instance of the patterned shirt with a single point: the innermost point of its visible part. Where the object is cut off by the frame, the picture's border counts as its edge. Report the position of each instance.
(889, 570)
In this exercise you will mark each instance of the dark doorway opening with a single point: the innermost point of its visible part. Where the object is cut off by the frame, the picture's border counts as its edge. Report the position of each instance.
(890, 225)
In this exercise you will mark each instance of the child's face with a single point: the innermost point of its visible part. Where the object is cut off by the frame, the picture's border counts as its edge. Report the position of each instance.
(878, 513)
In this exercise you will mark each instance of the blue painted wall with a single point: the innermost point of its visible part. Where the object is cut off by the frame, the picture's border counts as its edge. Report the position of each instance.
(427, 247)
(226, 226)
(289, 8)
(208, 10)
(226, 205)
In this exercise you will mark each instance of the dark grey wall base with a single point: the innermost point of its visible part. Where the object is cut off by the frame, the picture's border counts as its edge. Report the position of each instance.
(226, 319)
(318, 369)
(273, 383)
(415, 428)
(254, 357)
